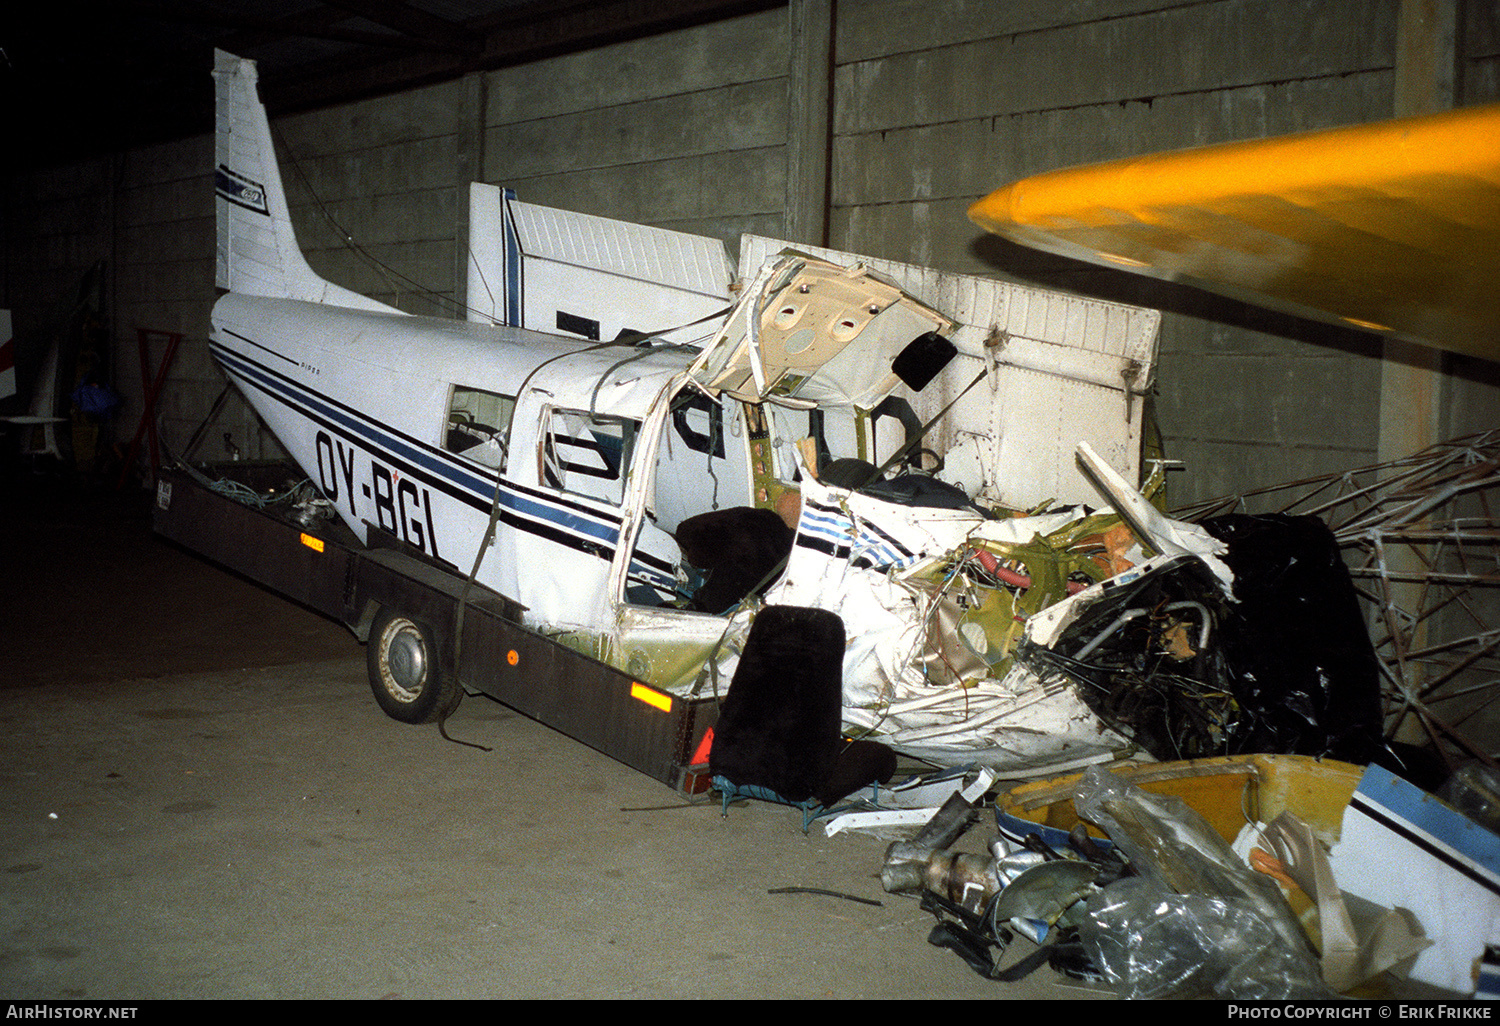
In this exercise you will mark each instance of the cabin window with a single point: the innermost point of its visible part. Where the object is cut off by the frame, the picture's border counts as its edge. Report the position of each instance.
(588, 454)
(479, 425)
(699, 422)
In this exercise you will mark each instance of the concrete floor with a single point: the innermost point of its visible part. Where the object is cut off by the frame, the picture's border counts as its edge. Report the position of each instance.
(207, 803)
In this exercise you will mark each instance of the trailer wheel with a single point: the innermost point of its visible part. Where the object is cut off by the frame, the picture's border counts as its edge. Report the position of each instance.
(402, 660)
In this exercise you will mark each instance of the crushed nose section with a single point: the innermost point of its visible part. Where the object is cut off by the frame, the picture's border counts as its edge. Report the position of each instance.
(939, 610)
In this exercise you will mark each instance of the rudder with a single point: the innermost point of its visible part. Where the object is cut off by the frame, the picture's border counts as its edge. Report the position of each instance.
(257, 252)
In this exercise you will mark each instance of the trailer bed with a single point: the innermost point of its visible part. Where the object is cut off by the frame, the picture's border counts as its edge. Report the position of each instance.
(322, 565)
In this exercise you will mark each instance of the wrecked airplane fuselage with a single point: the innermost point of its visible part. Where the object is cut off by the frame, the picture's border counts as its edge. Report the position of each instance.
(605, 470)
(888, 442)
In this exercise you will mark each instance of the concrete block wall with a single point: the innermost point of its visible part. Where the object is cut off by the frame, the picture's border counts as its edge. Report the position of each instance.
(55, 227)
(56, 224)
(933, 106)
(1479, 57)
(937, 106)
(1475, 384)
(375, 193)
(146, 218)
(685, 130)
(163, 282)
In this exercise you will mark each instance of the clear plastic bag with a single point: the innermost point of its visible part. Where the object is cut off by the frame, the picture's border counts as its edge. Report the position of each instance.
(1155, 944)
(1196, 921)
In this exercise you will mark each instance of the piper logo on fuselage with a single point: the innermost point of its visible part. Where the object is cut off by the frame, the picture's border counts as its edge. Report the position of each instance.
(399, 505)
(239, 190)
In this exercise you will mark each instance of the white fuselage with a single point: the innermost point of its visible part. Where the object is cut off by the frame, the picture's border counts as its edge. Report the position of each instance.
(363, 400)
(581, 462)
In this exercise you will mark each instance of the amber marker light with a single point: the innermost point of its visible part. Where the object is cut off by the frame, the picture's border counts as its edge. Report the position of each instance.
(652, 697)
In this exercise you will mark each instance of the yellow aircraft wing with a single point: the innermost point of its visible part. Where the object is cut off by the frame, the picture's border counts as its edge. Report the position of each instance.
(1392, 226)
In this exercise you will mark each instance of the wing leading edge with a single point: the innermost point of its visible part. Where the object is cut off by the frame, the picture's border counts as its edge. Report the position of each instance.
(1392, 226)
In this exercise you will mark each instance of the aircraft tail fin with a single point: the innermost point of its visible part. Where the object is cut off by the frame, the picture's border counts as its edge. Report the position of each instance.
(258, 253)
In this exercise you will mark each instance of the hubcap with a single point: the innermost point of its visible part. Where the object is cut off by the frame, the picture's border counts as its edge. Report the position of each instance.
(406, 663)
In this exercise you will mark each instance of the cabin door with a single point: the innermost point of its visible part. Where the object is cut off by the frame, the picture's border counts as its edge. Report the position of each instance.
(695, 462)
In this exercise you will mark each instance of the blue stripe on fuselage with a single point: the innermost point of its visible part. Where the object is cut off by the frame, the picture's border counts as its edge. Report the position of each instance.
(529, 511)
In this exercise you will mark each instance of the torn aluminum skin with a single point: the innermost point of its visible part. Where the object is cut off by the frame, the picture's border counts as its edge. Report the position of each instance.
(928, 667)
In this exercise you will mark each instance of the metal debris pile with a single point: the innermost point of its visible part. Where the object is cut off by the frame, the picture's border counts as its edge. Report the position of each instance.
(1302, 877)
(1057, 639)
(1161, 907)
(1242, 878)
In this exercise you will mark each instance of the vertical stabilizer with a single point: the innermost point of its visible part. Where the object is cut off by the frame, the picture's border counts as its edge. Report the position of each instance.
(257, 248)
(495, 285)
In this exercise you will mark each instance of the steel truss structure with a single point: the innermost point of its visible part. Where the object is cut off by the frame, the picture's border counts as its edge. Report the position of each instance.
(1422, 543)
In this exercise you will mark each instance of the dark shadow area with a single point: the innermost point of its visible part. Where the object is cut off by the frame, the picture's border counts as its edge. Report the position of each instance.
(91, 594)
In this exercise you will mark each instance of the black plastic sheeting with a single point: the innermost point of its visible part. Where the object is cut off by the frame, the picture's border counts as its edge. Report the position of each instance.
(1286, 668)
(1296, 651)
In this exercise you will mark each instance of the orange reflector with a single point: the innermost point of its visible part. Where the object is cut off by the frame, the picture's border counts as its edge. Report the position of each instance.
(651, 697)
(512, 657)
(316, 544)
(700, 757)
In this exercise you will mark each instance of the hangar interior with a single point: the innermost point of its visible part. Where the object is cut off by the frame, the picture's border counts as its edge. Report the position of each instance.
(871, 127)
(864, 125)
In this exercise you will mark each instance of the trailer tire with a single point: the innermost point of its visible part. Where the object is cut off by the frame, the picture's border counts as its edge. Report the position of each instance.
(404, 674)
